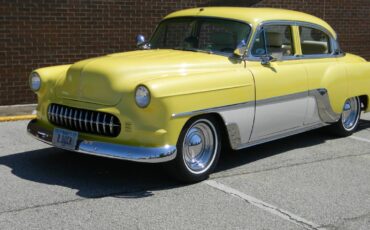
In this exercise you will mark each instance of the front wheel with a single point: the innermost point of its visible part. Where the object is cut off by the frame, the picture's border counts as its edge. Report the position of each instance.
(349, 118)
(198, 150)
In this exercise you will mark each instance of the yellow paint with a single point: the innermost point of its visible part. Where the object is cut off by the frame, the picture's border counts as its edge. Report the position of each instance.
(296, 37)
(181, 81)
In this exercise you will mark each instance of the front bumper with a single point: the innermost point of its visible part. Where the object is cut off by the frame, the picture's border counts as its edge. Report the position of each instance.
(104, 149)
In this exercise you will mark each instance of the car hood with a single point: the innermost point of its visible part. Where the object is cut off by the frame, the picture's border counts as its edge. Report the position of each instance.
(103, 80)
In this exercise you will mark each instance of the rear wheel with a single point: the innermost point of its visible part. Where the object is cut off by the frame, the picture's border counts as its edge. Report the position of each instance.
(198, 150)
(349, 118)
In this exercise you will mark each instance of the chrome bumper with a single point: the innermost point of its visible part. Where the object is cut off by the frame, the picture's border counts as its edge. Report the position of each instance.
(103, 149)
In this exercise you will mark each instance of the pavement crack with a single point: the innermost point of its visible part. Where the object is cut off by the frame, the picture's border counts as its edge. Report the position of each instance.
(343, 221)
(282, 212)
(360, 217)
(41, 206)
(81, 199)
(264, 206)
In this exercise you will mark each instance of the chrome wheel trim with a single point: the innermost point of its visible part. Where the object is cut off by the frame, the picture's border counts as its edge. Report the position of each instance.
(351, 113)
(200, 146)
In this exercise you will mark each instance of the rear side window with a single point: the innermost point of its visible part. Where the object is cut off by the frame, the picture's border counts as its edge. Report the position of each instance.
(314, 41)
(275, 40)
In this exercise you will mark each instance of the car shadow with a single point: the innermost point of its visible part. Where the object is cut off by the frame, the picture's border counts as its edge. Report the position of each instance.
(95, 177)
(91, 176)
(363, 124)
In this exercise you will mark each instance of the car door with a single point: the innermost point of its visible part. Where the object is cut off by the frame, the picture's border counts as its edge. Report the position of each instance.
(281, 85)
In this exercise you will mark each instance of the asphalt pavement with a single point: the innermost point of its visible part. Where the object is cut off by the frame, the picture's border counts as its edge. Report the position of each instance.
(308, 181)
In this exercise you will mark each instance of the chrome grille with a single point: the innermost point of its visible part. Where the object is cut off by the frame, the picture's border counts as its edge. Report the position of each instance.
(82, 120)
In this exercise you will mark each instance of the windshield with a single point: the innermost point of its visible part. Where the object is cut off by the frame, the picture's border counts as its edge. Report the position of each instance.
(210, 35)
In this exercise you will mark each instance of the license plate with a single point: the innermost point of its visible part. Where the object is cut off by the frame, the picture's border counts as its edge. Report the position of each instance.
(65, 139)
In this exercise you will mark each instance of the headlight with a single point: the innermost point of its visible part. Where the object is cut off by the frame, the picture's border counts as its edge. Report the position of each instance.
(142, 96)
(35, 81)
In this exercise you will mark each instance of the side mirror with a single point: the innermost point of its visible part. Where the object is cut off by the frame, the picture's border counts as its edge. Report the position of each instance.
(241, 49)
(338, 52)
(267, 59)
(140, 40)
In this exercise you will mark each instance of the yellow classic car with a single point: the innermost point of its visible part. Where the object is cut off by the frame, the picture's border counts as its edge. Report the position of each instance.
(208, 79)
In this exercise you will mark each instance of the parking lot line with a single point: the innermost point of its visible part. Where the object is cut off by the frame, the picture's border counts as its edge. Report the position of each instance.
(360, 139)
(265, 206)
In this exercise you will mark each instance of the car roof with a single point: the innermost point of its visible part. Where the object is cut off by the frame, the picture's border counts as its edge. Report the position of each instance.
(253, 16)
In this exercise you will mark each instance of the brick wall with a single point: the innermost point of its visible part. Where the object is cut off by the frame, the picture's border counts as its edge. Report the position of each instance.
(49, 32)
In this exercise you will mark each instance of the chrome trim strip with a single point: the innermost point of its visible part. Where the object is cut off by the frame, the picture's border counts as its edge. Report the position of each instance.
(80, 120)
(61, 116)
(97, 123)
(70, 117)
(104, 118)
(75, 118)
(280, 99)
(49, 112)
(212, 110)
(92, 121)
(108, 150)
(85, 121)
(53, 113)
(57, 114)
(66, 117)
(111, 125)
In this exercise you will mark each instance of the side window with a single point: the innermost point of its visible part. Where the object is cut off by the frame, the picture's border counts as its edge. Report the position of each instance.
(314, 41)
(259, 45)
(221, 35)
(274, 40)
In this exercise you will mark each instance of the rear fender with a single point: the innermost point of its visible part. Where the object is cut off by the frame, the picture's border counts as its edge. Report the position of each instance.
(359, 80)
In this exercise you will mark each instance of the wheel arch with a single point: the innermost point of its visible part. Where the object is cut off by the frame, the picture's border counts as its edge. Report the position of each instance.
(224, 132)
(364, 100)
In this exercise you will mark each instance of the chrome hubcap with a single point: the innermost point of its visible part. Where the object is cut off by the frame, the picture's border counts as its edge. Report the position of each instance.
(200, 146)
(350, 113)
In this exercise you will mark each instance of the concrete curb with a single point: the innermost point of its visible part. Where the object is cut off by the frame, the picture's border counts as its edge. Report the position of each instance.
(15, 110)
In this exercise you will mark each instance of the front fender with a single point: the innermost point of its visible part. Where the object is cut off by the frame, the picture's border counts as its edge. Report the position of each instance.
(180, 98)
(49, 77)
